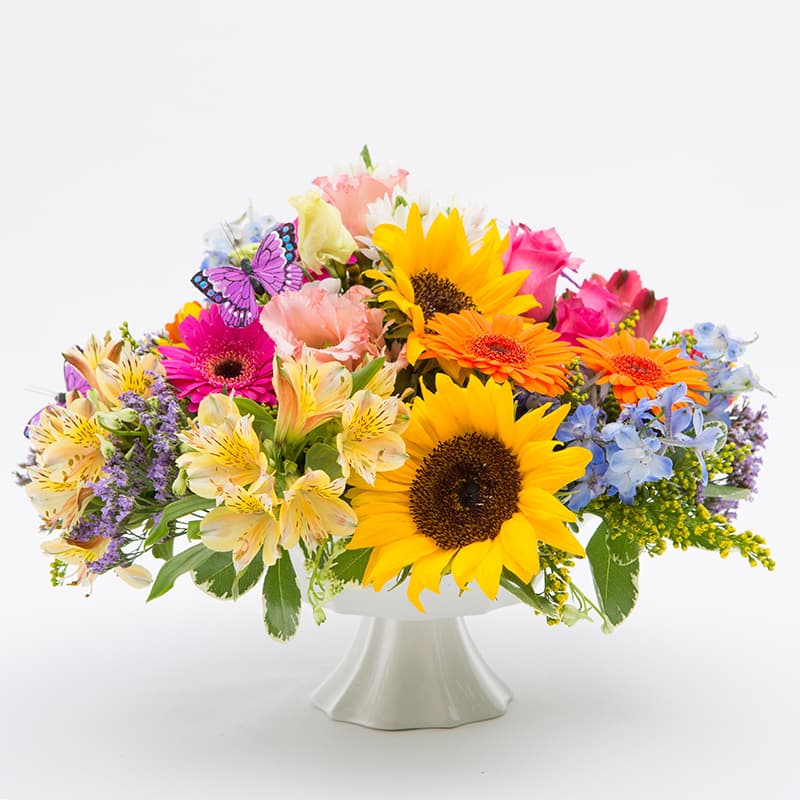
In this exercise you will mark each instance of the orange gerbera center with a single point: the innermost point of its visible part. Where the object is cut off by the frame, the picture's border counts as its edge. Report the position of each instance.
(643, 370)
(499, 347)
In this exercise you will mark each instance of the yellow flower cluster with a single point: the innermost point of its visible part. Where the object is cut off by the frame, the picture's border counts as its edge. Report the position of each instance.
(264, 502)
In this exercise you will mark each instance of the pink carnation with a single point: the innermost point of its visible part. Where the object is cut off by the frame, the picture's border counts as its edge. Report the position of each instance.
(351, 194)
(544, 254)
(335, 327)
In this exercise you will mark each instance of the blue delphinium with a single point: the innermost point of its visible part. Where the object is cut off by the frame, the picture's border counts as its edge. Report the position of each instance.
(250, 228)
(633, 460)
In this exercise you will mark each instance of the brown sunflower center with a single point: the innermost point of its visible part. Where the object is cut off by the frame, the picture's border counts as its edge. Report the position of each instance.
(435, 294)
(464, 490)
(499, 348)
(228, 368)
(643, 370)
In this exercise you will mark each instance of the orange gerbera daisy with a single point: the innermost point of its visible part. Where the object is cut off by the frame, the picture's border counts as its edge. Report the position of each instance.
(502, 347)
(635, 370)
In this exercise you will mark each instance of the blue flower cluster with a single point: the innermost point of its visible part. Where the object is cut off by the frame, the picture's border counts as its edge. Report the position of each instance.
(716, 352)
(634, 449)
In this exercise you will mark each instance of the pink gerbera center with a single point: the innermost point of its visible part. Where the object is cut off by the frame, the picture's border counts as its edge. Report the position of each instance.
(219, 357)
(230, 367)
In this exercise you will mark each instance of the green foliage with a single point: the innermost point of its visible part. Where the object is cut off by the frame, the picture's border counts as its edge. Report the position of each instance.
(324, 457)
(617, 585)
(362, 376)
(263, 420)
(366, 158)
(187, 561)
(217, 576)
(281, 599)
(176, 510)
(525, 592)
(349, 566)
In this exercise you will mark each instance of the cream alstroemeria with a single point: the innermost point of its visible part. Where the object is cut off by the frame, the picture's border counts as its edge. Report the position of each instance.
(309, 393)
(322, 236)
(244, 524)
(371, 439)
(225, 448)
(313, 510)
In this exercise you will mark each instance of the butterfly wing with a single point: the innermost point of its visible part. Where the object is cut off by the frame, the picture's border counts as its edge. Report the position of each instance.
(231, 289)
(73, 380)
(275, 262)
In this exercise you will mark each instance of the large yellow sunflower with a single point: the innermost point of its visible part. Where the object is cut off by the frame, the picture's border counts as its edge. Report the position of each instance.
(476, 494)
(437, 272)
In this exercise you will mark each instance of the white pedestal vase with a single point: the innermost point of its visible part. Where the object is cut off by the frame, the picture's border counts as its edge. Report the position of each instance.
(412, 670)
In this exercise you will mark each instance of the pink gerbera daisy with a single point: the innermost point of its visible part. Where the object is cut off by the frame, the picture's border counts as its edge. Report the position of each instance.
(219, 358)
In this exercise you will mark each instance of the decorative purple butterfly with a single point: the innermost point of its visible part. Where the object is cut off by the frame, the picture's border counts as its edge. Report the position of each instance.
(274, 269)
(73, 381)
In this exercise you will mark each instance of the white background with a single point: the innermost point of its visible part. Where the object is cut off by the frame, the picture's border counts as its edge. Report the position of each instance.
(660, 137)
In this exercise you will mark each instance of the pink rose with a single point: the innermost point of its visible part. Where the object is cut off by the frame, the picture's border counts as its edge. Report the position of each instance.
(574, 319)
(600, 305)
(351, 194)
(627, 285)
(335, 327)
(544, 254)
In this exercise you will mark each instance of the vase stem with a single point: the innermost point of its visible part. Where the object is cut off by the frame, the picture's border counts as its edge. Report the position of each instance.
(400, 674)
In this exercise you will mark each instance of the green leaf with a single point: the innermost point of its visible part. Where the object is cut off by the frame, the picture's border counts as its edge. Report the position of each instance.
(193, 530)
(324, 457)
(281, 597)
(365, 157)
(180, 508)
(217, 576)
(622, 550)
(362, 376)
(350, 565)
(263, 421)
(726, 492)
(164, 550)
(617, 585)
(186, 561)
(525, 593)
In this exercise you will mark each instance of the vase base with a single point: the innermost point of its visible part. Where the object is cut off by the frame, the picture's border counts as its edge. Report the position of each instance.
(402, 675)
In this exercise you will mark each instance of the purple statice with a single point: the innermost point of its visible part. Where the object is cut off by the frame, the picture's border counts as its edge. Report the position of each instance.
(162, 417)
(747, 433)
(135, 476)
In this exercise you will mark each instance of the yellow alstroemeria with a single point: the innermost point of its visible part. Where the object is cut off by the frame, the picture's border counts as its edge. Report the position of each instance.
(226, 449)
(58, 503)
(72, 440)
(80, 554)
(244, 525)
(371, 440)
(309, 393)
(112, 369)
(313, 510)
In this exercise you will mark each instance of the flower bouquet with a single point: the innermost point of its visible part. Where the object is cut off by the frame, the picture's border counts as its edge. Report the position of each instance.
(385, 391)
